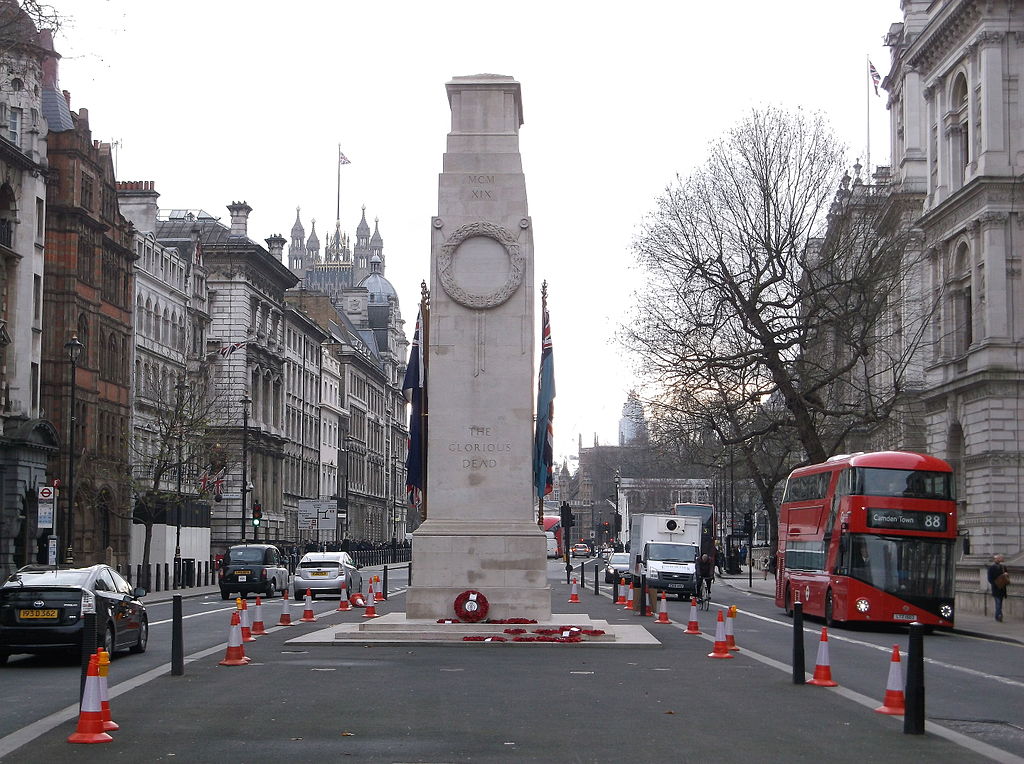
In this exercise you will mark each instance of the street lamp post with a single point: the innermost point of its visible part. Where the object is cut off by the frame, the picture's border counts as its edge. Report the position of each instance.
(246, 400)
(74, 347)
(180, 389)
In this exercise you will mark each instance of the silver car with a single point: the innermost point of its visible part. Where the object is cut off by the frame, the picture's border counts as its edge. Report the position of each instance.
(323, 573)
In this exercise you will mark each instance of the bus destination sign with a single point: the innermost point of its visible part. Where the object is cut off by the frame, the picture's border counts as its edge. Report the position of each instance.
(904, 520)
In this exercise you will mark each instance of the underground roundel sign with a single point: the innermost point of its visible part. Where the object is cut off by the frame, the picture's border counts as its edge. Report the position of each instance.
(471, 606)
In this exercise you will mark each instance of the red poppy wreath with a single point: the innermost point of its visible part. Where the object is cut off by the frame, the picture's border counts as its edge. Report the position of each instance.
(471, 606)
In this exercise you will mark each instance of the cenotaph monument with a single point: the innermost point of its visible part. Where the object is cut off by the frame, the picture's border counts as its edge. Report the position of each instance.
(481, 532)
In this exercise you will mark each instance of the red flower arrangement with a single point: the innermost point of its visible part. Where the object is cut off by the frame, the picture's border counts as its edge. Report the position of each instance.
(483, 639)
(515, 631)
(471, 606)
(511, 620)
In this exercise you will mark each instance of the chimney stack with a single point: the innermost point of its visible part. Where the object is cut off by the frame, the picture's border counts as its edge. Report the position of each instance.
(276, 245)
(239, 218)
(138, 202)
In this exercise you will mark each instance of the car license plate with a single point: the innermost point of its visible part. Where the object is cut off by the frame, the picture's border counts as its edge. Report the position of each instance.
(904, 617)
(243, 572)
(37, 614)
(319, 572)
(242, 579)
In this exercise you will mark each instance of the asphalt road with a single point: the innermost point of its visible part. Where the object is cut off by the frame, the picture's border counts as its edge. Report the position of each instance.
(532, 703)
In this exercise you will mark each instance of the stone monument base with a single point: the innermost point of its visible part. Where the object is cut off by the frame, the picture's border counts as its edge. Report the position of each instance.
(505, 561)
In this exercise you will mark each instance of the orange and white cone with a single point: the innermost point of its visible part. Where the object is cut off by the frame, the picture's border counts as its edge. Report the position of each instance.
(721, 650)
(574, 593)
(343, 603)
(103, 666)
(258, 628)
(378, 592)
(307, 611)
(246, 624)
(357, 599)
(662, 610)
(622, 592)
(371, 603)
(894, 702)
(730, 635)
(90, 717)
(822, 668)
(286, 610)
(693, 627)
(235, 655)
(629, 597)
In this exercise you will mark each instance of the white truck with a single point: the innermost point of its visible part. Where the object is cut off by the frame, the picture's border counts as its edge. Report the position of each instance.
(664, 548)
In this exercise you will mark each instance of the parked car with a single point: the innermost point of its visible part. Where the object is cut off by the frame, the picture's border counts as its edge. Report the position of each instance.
(41, 610)
(323, 572)
(253, 568)
(617, 567)
(580, 550)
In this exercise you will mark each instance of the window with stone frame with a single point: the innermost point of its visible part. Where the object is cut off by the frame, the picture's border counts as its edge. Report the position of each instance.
(963, 309)
(961, 130)
(111, 278)
(86, 195)
(86, 257)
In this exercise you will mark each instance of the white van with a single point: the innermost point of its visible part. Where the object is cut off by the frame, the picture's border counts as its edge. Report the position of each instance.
(552, 544)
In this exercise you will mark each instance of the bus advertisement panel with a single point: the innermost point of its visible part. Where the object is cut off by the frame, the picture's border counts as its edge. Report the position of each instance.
(869, 537)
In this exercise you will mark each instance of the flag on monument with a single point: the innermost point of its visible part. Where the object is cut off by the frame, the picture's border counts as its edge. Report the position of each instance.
(876, 78)
(543, 443)
(413, 388)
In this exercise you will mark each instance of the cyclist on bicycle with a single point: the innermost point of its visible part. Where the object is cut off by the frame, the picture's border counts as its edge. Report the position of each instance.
(705, 575)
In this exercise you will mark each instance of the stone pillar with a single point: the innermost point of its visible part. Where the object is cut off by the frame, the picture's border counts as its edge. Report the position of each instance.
(481, 531)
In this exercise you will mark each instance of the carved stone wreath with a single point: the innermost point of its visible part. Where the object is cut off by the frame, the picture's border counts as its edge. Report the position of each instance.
(515, 257)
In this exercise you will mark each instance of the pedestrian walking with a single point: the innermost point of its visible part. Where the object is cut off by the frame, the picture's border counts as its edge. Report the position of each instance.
(769, 565)
(999, 579)
(719, 559)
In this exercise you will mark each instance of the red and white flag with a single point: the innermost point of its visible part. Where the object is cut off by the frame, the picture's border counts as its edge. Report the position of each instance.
(876, 78)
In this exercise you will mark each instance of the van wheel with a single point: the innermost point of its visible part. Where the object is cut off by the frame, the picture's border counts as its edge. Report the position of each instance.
(829, 619)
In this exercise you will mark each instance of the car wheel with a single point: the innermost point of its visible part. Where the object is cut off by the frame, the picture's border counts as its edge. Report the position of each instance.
(140, 646)
(108, 641)
(829, 615)
(271, 589)
(224, 595)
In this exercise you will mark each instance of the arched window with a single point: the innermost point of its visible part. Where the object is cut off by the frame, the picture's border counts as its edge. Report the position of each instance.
(959, 103)
(8, 214)
(962, 297)
(149, 318)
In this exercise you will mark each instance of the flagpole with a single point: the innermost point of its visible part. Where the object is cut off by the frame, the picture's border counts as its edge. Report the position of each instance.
(867, 92)
(337, 215)
(424, 350)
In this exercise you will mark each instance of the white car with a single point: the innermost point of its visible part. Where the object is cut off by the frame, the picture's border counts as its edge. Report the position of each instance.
(323, 573)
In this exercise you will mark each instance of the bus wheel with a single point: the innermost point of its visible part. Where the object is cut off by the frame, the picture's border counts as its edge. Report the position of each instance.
(789, 603)
(829, 620)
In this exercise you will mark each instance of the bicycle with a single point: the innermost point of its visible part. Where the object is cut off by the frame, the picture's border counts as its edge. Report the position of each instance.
(704, 594)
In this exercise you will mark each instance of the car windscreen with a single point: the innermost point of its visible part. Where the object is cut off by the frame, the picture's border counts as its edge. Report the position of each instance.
(54, 577)
(619, 558)
(246, 554)
(672, 552)
(319, 564)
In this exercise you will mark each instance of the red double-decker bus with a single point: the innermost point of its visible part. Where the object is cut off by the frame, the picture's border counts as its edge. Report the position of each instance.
(869, 537)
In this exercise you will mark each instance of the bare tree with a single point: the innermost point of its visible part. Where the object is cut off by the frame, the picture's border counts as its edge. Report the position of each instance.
(766, 312)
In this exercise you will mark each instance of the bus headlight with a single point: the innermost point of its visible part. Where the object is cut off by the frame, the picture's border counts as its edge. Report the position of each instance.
(946, 611)
(862, 605)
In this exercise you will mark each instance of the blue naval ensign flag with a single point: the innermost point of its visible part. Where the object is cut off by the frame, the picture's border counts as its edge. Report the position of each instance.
(414, 390)
(543, 442)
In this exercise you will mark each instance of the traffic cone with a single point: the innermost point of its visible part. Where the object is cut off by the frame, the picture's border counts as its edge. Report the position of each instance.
(662, 610)
(343, 603)
(629, 598)
(246, 624)
(286, 610)
(258, 629)
(622, 592)
(371, 603)
(235, 655)
(90, 716)
(103, 666)
(574, 594)
(822, 669)
(894, 702)
(693, 627)
(378, 592)
(357, 599)
(721, 650)
(307, 611)
(730, 636)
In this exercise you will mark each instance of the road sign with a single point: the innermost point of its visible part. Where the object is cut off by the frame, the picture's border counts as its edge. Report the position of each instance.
(317, 515)
(44, 504)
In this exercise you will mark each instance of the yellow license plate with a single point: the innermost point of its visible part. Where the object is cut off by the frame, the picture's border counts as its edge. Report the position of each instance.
(243, 572)
(319, 572)
(40, 614)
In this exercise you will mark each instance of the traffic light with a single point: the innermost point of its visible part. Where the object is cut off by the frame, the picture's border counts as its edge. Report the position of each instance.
(748, 524)
(618, 523)
(566, 512)
(257, 514)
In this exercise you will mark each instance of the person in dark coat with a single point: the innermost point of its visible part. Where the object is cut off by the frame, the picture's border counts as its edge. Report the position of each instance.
(999, 583)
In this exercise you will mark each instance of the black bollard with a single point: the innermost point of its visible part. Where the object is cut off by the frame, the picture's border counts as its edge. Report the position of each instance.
(384, 582)
(799, 673)
(568, 572)
(913, 716)
(615, 589)
(597, 585)
(89, 639)
(177, 638)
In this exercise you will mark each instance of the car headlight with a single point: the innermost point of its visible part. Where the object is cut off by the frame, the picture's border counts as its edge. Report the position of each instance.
(946, 611)
(862, 605)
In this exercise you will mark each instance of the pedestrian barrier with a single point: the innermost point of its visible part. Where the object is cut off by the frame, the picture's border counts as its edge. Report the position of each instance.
(693, 627)
(662, 610)
(235, 654)
(721, 650)
(286, 610)
(246, 624)
(730, 634)
(378, 592)
(258, 629)
(894, 702)
(371, 604)
(103, 668)
(90, 716)
(822, 667)
(574, 595)
(622, 592)
(343, 603)
(307, 611)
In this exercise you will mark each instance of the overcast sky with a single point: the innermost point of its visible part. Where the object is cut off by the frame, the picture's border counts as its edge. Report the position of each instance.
(218, 101)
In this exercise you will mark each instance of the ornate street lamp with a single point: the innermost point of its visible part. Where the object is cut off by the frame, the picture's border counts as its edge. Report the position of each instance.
(74, 347)
(179, 389)
(246, 401)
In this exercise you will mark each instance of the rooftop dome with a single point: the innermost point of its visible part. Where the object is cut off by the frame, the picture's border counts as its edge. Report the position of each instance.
(380, 288)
